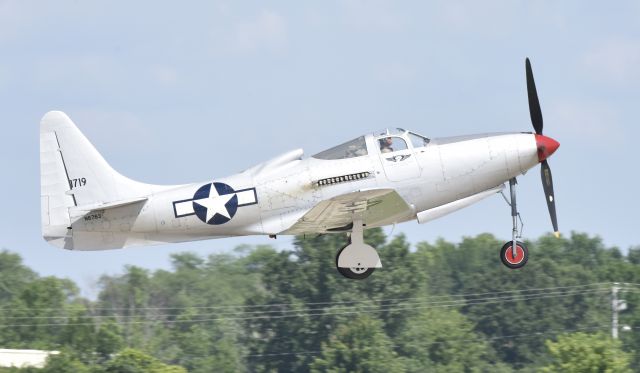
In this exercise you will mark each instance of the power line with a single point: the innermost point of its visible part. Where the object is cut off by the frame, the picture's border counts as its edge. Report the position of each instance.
(513, 336)
(446, 303)
(329, 312)
(450, 340)
(461, 302)
(597, 285)
(235, 328)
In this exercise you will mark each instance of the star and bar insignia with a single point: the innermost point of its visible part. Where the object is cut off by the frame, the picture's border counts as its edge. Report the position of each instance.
(215, 203)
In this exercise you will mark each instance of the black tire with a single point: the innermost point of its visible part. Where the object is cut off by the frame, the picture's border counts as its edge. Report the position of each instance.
(353, 273)
(519, 261)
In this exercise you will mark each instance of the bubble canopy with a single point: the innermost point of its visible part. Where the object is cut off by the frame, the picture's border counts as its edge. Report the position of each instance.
(390, 132)
(358, 146)
(350, 149)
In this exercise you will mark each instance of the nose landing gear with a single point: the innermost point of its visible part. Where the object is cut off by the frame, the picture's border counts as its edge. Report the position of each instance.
(514, 254)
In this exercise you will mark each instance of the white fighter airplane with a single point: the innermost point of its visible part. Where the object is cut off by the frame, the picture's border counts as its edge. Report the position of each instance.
(377, 179)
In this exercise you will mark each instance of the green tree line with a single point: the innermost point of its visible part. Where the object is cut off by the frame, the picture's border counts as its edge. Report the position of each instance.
(436, 307)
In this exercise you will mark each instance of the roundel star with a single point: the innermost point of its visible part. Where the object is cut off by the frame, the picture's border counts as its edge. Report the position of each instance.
(215, 203)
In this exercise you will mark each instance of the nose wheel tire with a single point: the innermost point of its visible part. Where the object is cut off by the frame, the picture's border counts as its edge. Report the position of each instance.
(354, 273)
(520, 258)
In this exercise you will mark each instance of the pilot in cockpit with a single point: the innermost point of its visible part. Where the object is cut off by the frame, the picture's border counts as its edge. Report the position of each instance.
(385, 145)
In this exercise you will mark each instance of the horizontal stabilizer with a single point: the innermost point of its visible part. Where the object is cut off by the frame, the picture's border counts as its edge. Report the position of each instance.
(108, 205)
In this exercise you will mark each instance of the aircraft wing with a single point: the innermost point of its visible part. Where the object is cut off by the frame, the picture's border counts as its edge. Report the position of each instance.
(376, 206)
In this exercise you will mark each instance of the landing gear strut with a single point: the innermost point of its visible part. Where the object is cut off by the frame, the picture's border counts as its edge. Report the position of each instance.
(514, 254)
(357, 260)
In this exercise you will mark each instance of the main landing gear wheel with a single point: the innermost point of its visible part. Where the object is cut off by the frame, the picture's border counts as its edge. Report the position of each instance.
(517, 261)
(354, 273)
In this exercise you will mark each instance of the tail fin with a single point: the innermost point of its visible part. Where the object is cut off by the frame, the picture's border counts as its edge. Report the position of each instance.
(73, 173)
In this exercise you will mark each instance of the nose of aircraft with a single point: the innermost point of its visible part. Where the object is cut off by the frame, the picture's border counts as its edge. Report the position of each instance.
(546, 147)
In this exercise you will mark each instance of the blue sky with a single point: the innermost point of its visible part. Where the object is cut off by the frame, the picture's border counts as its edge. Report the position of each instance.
(178, 93)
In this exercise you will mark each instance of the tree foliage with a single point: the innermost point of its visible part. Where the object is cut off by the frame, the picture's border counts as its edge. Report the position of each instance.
(581, 352)
(359, 346)
(133, 361)
(437, 307)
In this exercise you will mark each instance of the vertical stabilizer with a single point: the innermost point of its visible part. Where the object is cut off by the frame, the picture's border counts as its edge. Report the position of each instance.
(73, 173)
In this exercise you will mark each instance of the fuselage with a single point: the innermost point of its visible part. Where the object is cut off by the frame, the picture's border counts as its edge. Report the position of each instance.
(270, 198)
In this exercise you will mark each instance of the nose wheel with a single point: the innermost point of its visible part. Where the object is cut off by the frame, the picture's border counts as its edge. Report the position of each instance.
(514, 254)
(514, 261)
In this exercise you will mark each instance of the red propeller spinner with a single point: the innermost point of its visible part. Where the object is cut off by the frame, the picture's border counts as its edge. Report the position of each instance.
(546, 147)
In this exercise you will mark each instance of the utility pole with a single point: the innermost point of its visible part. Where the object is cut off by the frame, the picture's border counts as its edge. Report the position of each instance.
(614, 310)
(617, 305)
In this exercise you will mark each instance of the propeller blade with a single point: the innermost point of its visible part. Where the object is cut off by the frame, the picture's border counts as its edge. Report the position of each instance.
(534, 103)
(547, 185)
